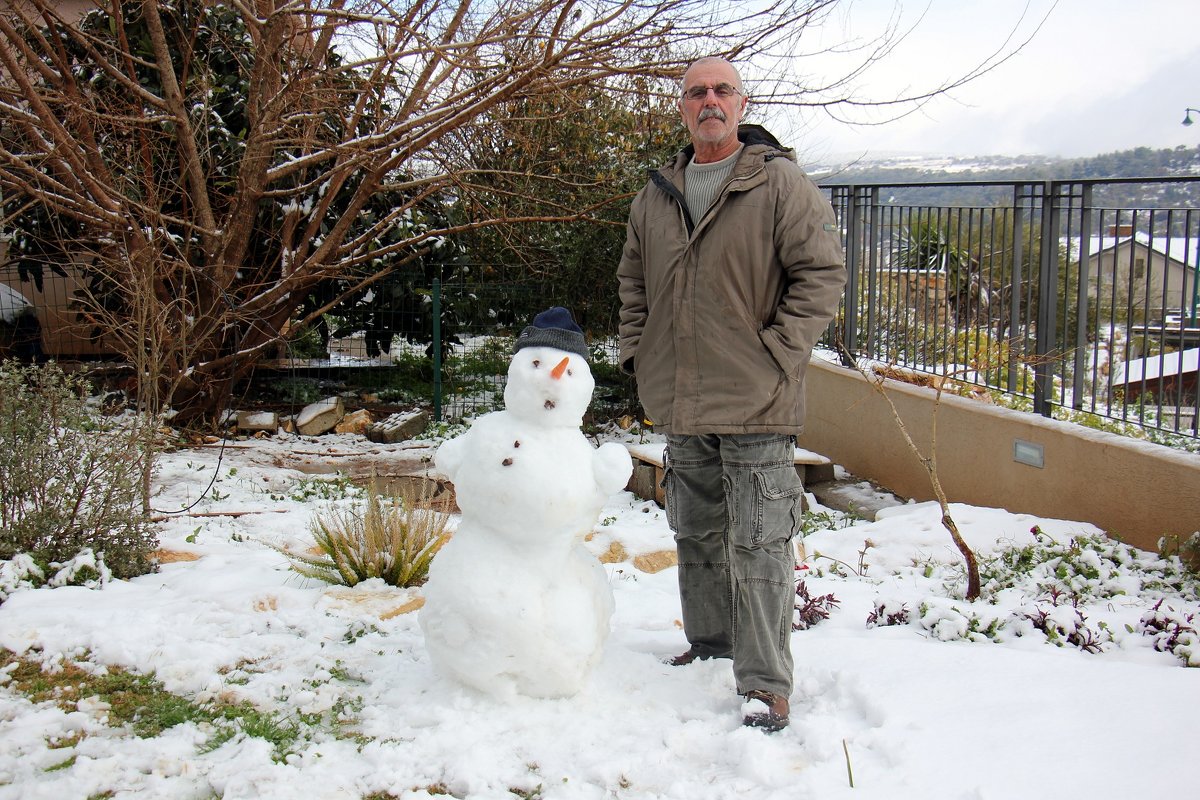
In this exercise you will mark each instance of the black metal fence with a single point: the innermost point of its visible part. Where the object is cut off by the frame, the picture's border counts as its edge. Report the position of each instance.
(1060, 296)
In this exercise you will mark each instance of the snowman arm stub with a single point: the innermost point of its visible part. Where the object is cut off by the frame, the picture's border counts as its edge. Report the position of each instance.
(450, 454)
(612, 466)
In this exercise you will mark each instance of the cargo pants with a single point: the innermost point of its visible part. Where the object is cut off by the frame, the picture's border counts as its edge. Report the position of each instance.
(734, 502)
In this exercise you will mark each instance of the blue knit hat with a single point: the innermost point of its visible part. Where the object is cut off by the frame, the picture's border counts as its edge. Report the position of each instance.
(554, 327)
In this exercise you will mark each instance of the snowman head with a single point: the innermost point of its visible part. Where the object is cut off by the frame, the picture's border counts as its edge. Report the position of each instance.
(549, 381)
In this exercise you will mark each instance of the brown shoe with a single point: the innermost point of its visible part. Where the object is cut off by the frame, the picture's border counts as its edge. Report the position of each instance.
(685, 658)
(765, 710)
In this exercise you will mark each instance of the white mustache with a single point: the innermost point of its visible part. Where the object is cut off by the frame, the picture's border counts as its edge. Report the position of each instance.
(711, 112)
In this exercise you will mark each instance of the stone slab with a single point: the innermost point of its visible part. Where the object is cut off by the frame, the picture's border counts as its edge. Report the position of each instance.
(399, 427)
(320, 417)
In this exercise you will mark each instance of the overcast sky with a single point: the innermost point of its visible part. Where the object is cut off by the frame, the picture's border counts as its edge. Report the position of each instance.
(1099, 76)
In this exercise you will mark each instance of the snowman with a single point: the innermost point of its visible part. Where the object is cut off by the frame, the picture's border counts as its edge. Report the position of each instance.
(515, 604)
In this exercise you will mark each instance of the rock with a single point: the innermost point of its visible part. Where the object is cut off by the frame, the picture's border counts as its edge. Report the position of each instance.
(398, 427)
(356, 422)
(258, 421)
(320, 417)
(614, 554)
(656, 561)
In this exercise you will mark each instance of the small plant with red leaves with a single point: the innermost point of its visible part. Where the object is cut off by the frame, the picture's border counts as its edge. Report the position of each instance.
(811, 610)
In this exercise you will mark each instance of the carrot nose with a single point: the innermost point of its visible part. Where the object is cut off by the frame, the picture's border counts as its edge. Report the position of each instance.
(558, 371)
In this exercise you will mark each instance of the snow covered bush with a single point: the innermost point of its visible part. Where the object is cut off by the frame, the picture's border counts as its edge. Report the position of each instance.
(22, 572)
(69, 482)
(1044, 588)
(1173, 632)
(393, 539)
(949, 620)
(1186, 548)
(1084, 569)
(85, 569)
(19, 572)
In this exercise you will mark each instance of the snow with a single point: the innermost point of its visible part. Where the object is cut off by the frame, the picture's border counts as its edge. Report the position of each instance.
(912, 716)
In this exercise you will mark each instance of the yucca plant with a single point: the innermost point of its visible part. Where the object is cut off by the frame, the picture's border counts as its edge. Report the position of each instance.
(393, 538)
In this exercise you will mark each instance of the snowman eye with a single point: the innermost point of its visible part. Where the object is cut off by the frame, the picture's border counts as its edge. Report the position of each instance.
(536, 363)
(570, 372)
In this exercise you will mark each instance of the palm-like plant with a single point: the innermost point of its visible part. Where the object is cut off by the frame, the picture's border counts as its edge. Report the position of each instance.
(392, 538)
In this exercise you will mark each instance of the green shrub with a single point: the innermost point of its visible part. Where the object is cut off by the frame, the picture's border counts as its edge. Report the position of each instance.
(69, 482)
(394, 539)
(297, 391)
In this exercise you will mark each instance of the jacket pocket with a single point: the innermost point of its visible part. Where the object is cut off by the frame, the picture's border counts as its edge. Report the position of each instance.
(777, 504)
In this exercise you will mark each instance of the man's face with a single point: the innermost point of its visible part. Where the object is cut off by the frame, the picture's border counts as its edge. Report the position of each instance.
(712, 119)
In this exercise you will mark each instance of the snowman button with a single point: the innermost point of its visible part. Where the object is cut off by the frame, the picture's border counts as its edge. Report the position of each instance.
(507, 462)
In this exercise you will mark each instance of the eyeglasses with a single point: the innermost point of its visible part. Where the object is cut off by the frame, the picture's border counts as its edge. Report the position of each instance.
(722, 90)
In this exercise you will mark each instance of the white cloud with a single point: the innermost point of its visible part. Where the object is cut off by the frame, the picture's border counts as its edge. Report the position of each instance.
(1099, 75)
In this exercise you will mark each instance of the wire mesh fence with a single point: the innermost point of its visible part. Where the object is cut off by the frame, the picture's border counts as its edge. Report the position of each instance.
(452, 359)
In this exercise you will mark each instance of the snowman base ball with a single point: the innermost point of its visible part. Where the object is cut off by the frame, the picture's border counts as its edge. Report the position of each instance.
(515, 604)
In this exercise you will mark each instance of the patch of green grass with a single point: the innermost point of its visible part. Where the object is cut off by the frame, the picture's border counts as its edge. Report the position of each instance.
(70, 762)
(140, 703)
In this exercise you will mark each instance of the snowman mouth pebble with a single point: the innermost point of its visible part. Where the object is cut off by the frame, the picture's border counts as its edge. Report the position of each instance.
(549, 405)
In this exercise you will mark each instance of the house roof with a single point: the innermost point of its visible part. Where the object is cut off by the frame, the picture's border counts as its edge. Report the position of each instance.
(1185, 250)
(12, 304)
(1163, 365)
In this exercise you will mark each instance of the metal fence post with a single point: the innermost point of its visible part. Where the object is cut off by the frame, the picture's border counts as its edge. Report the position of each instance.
(1082, 310)
(853, 235)
(437, 349)
(1045, 353)
(1016, 319)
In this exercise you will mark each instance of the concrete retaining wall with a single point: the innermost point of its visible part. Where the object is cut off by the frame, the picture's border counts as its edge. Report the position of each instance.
(988, 456)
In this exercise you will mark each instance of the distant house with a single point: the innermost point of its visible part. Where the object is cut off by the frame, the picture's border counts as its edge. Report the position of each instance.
(1132, 277)
(62, 332)
(1170, 378)
(20, 332)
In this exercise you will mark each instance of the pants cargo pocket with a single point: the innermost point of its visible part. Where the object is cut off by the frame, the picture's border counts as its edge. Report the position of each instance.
(778, 510)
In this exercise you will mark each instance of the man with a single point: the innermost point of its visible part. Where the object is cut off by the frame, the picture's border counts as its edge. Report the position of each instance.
(731, 270)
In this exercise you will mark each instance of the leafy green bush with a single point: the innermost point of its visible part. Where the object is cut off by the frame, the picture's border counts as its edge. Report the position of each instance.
(69, 482)
(297, 390)
(394, 539)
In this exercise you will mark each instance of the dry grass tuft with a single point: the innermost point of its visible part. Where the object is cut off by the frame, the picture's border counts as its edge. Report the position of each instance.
(392, 538)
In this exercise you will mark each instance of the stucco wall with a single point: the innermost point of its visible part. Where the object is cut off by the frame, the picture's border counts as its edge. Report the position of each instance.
(1136, 491)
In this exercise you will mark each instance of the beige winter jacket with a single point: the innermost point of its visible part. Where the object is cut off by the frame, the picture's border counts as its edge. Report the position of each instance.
(718, 323)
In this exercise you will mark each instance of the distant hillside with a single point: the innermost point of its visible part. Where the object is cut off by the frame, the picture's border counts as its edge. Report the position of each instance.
(1141, 162)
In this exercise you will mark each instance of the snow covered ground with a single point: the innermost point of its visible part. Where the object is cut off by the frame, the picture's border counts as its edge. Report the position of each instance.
(912, 715)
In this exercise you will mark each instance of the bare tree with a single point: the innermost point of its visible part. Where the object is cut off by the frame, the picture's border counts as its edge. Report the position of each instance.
(214, 162)
(929, 463)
